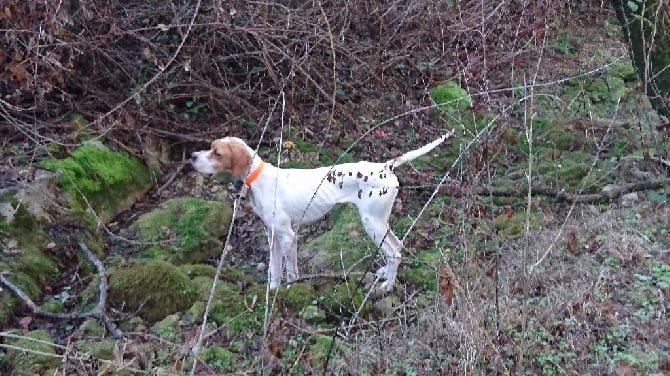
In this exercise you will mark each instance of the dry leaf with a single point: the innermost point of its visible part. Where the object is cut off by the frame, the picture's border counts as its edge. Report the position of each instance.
(18, 72)
(572, 242)
(24, 323)
(447, 283)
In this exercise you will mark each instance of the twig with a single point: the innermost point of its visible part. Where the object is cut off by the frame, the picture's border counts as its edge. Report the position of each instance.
(98, 312)
(585, 198)
(175, 173)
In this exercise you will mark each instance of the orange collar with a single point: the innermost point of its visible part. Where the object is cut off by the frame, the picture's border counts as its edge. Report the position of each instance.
(254, 174)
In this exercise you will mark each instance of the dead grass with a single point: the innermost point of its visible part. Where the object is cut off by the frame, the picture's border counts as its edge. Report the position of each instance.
(578, 311)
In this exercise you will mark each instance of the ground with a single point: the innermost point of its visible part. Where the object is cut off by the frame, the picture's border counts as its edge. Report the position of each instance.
(545, 285)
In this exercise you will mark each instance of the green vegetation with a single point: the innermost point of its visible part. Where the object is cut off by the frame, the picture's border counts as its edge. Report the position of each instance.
(23, 243)
(345, 244)
(187, 230)
(343, 299)
(450, 95)
(153, 289)
(236, 310)
(421, 269)
(32, 354)
(108, 181)
(219, 358)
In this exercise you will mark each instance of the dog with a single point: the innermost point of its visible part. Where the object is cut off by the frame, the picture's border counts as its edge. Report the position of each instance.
(285, 199)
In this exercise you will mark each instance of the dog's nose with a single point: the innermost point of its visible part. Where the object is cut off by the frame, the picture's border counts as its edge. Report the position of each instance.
(194, 156)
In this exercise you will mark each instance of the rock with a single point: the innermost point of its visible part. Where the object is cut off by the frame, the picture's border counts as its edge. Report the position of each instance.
(186, 229)
(629, 199)
(109, 182)
(25, 251)
(153, 289)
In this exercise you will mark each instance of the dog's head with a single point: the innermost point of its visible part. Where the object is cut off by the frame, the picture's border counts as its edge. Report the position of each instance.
(226, 154)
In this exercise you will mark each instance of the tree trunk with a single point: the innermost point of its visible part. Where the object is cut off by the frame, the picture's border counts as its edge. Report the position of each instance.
(646, 26)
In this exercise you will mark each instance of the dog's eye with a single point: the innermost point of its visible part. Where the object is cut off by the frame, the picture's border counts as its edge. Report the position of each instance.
(216, 154)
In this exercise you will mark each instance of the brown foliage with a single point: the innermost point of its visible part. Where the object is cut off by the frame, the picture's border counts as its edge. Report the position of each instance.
(88, 56)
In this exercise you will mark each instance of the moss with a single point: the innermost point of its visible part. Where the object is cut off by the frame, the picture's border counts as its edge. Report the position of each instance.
(91, 328)
(219, 358)
(167, 328)
(53, 306)
(516, 223)
(108, 180)
(313, 314)
(345, 244)
(569, 170)
(153, 289)
(103, 349)
(321, 346)
(188, 230)
(237, 311)
(31, 266)
(298, 296)
(421, 270)
(559, 134)
(343, 300)
(198, 270)
(34, 359)
(195, 313)
(450, 95)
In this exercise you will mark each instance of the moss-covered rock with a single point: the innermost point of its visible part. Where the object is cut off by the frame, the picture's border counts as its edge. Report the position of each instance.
(152, 288)
(110, 182)
(186, 230)
(25, 254)
(450, 95)
(30, 357)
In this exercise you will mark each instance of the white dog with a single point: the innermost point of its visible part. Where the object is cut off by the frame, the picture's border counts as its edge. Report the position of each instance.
(288, 198)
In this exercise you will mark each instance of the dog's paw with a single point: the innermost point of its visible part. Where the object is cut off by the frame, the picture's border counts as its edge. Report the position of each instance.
(381, 272)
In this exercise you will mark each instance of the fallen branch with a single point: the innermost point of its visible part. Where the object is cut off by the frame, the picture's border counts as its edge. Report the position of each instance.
(174, 174)
(583, 198)
(98, 312)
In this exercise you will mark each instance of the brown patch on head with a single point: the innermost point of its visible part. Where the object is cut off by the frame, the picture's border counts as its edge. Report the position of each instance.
(230, 155)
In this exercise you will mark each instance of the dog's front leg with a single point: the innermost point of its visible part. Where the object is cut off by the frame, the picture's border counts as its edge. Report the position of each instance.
(292, 258)
(276, 259)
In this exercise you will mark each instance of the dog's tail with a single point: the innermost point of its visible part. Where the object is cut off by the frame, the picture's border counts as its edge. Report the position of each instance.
(414, 154)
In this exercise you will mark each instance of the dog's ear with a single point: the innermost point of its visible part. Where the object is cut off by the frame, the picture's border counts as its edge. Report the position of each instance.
(240, 160)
